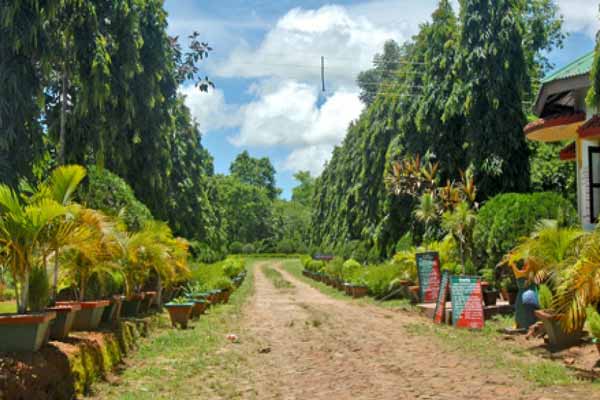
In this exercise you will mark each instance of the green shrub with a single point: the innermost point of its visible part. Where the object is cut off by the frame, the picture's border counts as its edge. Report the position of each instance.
(232, 267)
(315, 265)
(351, 269)
(203, 253)
(109, 193)
(361, 252)
(286, 246)
(334, 267)
(504, 219)
(381, 279)
(249, 249)
(236, 248)
(305, 260)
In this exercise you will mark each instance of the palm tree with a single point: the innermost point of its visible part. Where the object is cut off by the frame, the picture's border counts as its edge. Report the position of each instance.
(460, 224)
(23, 231)
(427, 210)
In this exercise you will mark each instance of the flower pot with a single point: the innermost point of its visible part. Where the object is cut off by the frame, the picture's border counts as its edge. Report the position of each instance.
(558, 339)
(199, 306)
(226, 294)
(179, 314)
(415, 295)
(359, 291)
(348, 289)
(147, 302)
(24, 332)
(88, 318)
(63, 323)
(112, 313)
(490, 297)
(131, 305)
(510, 296)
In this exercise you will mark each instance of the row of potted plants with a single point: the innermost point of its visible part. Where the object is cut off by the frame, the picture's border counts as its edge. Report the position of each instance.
(334, 275)
(196, 300)
(72, 265)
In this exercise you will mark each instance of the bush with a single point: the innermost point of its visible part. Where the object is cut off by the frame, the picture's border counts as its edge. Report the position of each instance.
(304, 260)
(203, 253)
(351, 269)
(380, 278)
(504, 219)
(315, 265)
(286, 246)
(334, 268)
(248, 249)
(232, 267)
(236, 248)
(110, 194)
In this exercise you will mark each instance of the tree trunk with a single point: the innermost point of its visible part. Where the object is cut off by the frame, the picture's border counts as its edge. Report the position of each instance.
(159, 293)
(24, 295)
(63, 112)
(55, 277)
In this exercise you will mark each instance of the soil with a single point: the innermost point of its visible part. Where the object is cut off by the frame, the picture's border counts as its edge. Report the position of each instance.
(303, 344)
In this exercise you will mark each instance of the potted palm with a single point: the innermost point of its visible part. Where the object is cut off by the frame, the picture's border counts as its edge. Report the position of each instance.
(180, 310)
(558, 337)
(489, 289)
(23, 227)
(593, 321)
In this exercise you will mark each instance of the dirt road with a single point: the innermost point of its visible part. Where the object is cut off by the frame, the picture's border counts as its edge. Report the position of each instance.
(306, 345)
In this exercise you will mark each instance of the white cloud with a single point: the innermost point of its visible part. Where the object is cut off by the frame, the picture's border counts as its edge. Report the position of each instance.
(210, 109)
(289, 114)
(293, 48)
(580, 16)
(310, 158)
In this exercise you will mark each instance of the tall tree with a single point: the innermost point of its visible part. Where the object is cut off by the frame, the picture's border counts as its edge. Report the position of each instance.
(255, 171)
(303, 193)
(383, 73)
(492, 79)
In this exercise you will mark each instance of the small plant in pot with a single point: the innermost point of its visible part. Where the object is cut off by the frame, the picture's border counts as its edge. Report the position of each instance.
(359, 288)
(490, 290)
(509, 289)
(558, 337)
(194, 293)
(180, 310)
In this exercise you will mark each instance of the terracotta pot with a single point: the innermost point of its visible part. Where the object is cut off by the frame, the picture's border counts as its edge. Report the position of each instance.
(147, 301)
(558, 338)
(415, 293)
(179, 314)
(24, 332)
(199, 307)
(130, 308)
(226, 295)
(63, 323)
(490, 297)
(112, 313)
(359, 291)
(88, 318)
(348, 289)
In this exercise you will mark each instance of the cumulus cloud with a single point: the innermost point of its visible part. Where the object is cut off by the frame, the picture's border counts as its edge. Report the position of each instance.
(210, 109)
(310, 158)
(293, 48)
(580, 16)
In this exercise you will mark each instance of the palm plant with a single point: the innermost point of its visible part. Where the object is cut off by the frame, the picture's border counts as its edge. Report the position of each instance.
(460, 223)
(23, 235)
(579, 286)
(96, 255)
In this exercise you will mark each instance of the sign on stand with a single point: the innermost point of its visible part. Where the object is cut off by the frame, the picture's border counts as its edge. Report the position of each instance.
(467, 302)
(440, 306)
(428, 269)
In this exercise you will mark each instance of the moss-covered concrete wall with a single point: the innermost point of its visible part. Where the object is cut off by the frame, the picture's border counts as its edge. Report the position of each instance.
(68, 369)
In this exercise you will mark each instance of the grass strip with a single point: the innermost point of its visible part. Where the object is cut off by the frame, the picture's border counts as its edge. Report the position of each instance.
(277, 279)
(179, 363)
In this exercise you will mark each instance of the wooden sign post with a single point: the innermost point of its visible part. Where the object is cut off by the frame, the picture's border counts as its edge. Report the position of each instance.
(428, 268)
(440, 306)
(467, 302)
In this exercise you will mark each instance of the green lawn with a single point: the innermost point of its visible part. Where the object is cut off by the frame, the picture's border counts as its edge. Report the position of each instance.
(190, 362)
(8, 307)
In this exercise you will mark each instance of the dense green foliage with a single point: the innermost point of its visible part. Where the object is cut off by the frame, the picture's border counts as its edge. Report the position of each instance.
(458, 98)
(549, 173)
(506, 218)
(257, 172)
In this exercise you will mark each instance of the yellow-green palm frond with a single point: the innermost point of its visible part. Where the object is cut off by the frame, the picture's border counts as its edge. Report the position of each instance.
(64, 181)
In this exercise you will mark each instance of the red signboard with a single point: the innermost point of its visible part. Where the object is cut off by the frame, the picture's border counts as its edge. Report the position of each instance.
(428, 268)
(467, 302)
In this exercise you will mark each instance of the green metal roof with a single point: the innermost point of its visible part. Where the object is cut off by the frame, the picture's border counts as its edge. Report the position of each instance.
(581, 66)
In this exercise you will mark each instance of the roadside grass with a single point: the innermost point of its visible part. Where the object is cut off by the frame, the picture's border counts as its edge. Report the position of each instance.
(7, 307)
(277, 279)
(194, 363)
(489, 346)
(294, 267)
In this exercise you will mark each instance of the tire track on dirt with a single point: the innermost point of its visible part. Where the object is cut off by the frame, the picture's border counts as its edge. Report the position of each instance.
(315, 347)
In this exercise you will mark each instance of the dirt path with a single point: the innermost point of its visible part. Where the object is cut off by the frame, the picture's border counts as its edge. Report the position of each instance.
(306, 345)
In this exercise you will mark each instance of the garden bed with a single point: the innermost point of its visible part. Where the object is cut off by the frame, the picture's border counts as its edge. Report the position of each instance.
(68, 369)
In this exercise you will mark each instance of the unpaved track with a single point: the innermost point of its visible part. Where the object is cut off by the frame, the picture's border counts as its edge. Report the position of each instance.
(316, 347)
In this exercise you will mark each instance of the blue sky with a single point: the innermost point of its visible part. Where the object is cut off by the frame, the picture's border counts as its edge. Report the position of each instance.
(266, 66)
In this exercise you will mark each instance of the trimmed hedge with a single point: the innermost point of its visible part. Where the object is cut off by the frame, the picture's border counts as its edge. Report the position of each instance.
(506, 218)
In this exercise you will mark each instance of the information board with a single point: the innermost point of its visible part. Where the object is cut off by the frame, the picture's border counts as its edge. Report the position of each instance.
(440, 305)
(428, 269)
(467, 302)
